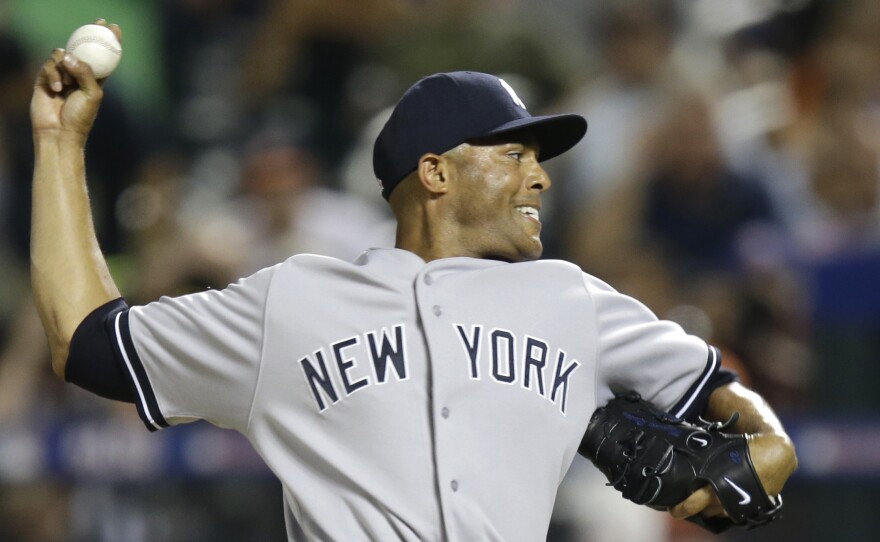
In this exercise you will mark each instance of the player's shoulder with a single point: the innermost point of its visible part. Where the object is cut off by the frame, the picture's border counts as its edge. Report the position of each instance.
(373, 256)
(571, 270)
(377, 261)
(299, 266)
(553, 267)
(559, 273)
(308, 261)
(554, 264)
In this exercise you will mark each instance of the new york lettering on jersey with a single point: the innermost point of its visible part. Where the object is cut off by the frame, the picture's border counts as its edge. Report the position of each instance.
(383, 351)
(527, 360)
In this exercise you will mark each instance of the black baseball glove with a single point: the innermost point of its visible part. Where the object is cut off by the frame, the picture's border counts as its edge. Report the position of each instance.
(658, 460)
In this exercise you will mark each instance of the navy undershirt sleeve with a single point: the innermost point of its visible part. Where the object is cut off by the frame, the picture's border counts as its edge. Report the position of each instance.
(93, 363)
(721, 377)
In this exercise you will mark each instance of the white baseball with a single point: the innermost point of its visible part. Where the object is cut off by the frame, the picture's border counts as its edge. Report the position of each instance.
(97, 46)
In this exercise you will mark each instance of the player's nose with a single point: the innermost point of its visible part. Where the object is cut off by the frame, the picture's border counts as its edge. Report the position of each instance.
(538, 179)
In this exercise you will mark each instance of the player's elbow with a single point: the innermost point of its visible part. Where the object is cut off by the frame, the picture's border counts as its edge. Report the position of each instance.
(59, 332)
(60, 350)
(59, 342)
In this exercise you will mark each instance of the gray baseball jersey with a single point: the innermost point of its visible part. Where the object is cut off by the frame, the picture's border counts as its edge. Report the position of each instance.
(403, 400)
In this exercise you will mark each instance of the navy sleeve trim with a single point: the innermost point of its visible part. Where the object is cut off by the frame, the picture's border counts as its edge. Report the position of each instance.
(91, 360)
(147, 406)
(697, 393)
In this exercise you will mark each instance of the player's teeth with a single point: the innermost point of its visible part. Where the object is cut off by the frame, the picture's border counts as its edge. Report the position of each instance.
(528, 211)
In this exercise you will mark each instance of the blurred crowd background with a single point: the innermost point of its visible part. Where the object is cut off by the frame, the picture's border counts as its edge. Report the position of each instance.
(729, 179)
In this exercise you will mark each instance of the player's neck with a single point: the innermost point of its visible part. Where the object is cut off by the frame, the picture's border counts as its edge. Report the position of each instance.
(426, 228)
(430, 244)
(429, 252)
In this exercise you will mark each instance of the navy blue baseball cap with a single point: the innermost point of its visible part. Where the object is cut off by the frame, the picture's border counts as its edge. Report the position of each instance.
(444, 110)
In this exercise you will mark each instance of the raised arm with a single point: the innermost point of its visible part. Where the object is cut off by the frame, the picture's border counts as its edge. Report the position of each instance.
(770, 448)
(69, 275)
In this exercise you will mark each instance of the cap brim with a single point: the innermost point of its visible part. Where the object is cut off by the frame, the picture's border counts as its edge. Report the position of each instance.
(555, 134)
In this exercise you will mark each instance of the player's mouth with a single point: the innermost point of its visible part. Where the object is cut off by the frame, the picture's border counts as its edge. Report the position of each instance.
(529, 212)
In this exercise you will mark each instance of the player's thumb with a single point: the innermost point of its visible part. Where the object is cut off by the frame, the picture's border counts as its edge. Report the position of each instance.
(696, 503)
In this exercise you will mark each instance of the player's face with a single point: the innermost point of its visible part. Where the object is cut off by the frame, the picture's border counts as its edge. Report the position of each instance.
(496, 198)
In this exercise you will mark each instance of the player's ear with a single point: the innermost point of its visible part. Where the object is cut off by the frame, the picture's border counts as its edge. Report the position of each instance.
(433, 173)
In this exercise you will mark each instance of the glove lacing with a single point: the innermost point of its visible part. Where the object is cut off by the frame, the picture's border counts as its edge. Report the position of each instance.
(633, 446)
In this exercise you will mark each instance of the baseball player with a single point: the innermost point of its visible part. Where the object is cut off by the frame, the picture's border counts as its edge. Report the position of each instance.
(434, 391)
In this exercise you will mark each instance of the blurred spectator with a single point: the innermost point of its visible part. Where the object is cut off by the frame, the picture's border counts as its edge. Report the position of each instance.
(696, 209)
(801, 118)
(519, 40)
(281, 208)
(635, 39)
(306, 55)
(35, 513)
(16, 159)
(356, 174)
(285, 209)
(24, 369)
(587, 509)
(845, 147)
(844, 186)
(16, 153)
(200, 35)
(312, 45)
(686, 207)
(204, 48)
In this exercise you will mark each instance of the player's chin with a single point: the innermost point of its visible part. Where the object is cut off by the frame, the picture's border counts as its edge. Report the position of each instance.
(528, 241)
(530, 250)
(524, 250)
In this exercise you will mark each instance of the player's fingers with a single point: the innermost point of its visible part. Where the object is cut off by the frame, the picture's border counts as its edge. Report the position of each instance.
(67, 79)
(116, 30)
(112, 26)
(82, 73)
(52, 74)
(714, 510)
(696, 503)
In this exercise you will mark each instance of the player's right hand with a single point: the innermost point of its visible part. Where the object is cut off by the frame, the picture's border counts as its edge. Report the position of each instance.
(66, 95)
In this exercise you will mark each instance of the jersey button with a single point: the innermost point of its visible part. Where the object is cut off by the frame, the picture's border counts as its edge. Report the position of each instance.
(454, 485)
(436, 310)
(444, 412)
(428, 280)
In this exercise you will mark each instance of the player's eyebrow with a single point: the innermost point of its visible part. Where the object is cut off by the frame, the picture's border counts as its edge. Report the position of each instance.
(519, 137)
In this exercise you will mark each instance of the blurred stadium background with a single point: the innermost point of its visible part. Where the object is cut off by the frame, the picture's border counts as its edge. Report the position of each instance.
(729, 179)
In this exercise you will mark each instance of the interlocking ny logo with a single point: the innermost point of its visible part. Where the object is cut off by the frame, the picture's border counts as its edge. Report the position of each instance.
(512, 93)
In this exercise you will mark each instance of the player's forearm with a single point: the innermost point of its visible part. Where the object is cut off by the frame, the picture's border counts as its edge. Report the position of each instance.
(69, 275)
(755, 415)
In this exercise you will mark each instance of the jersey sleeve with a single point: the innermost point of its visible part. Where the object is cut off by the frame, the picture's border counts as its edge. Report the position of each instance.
(196, 356)
(636, 351)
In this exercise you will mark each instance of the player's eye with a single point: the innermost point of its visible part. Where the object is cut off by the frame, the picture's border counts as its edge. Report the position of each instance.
(515, 155)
